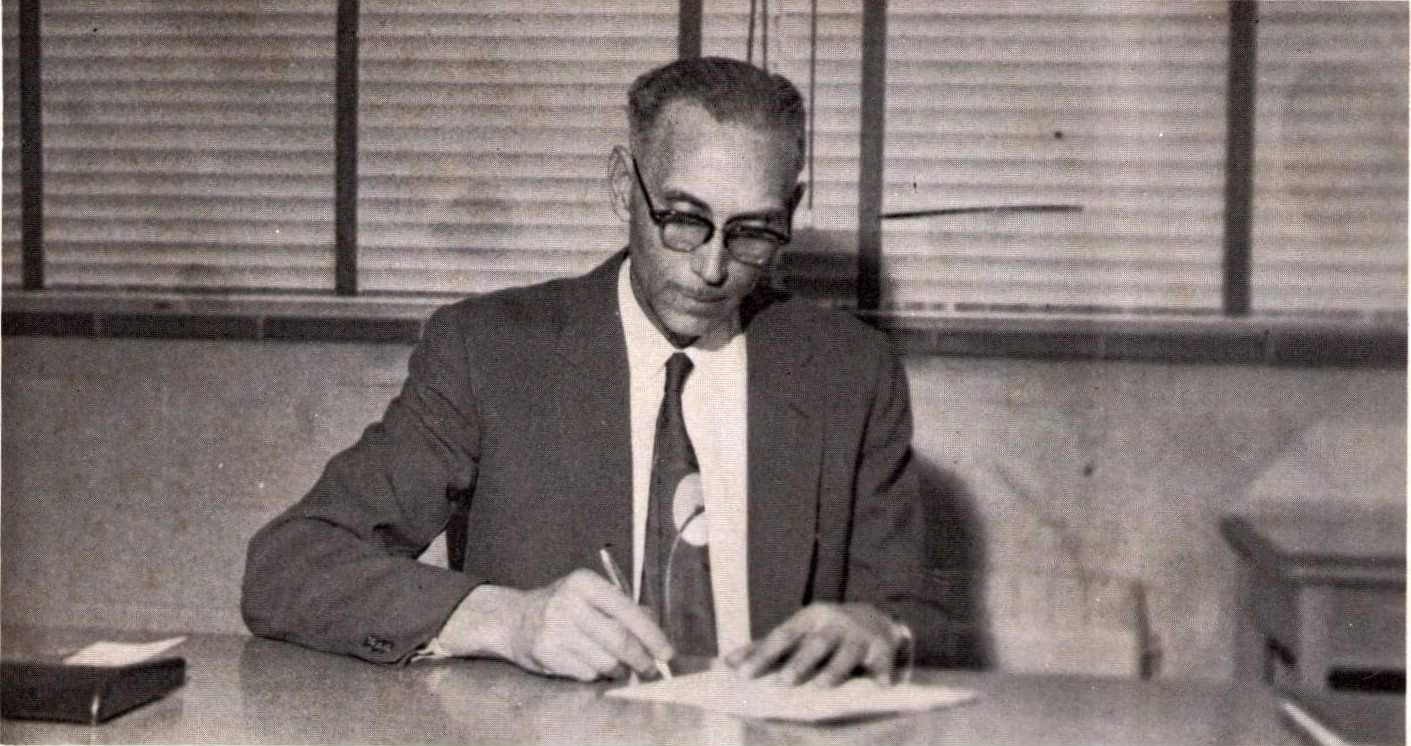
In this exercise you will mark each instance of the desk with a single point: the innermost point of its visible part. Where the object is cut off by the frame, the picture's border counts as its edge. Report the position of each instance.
(246, 690)
(1318, 593)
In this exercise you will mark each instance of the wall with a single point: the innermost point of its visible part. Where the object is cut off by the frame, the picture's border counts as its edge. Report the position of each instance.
(135, 470)
(1080, 480)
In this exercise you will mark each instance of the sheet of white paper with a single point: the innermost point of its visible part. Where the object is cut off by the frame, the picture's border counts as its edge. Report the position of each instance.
(722, 690)
(105, 653)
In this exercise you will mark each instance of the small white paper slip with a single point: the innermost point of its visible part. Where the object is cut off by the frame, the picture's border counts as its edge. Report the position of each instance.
(105, 653)
(720, 689)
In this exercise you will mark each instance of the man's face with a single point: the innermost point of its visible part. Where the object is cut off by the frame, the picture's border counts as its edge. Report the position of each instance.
(728, 173)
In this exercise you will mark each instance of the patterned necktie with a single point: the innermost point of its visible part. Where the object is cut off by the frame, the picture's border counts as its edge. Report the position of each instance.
(676, 572)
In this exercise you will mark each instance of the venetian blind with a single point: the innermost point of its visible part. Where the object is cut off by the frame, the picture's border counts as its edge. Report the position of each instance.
(821, 262)
(1116, 107)
(1329, 227)
(189, 145)
(10, 170)
(485, 130)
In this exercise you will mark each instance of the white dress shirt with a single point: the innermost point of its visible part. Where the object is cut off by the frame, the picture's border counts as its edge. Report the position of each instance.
(716, 407)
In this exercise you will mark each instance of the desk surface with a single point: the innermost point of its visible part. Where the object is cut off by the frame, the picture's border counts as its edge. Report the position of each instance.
(246, 690)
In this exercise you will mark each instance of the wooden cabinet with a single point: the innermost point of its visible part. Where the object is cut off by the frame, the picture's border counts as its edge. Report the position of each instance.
(1322, 599)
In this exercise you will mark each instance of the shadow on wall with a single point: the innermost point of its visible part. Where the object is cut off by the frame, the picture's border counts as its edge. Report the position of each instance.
(953, 608)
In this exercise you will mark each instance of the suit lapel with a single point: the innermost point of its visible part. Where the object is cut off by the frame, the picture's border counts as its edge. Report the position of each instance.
(785, 439)
(785, 448)
(595, 386)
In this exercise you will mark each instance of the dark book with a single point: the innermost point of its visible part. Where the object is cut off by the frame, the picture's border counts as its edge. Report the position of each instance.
(40, 690)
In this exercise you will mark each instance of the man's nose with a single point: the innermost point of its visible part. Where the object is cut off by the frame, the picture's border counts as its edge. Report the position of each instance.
(710, 260)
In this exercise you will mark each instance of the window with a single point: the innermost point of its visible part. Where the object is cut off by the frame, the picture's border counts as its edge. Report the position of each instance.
(1099, 122)
(484, 137)
(186, 145)
(10, 175)
(1329, 227)
(1040, 157)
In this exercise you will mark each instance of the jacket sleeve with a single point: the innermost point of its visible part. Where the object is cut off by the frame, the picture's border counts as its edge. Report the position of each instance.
(337, 570)
(887, 541)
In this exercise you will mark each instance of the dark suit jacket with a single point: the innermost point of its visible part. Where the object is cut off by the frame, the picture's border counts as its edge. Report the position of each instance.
(519, 400)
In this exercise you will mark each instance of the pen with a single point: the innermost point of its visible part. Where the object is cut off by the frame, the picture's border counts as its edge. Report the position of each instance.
(615, 575)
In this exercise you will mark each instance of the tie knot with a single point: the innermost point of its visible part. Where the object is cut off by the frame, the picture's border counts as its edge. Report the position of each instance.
(677, 366)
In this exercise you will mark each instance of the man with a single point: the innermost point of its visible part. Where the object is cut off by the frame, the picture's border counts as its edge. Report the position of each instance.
(552, 411)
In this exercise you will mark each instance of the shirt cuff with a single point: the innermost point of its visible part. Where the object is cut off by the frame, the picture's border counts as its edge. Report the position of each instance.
(432, 650)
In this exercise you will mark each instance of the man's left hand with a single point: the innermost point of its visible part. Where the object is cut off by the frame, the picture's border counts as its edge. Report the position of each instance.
(824, 643)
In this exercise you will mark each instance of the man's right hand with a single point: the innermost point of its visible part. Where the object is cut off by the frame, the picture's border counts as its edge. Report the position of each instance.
(579, 626)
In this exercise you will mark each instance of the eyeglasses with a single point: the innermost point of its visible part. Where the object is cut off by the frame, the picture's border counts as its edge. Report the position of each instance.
(682, 231)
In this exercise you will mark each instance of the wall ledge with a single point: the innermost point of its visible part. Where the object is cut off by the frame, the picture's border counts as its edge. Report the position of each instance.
(1255, 340)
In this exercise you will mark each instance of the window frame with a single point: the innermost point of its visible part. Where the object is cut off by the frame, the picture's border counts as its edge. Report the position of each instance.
(1234, 336)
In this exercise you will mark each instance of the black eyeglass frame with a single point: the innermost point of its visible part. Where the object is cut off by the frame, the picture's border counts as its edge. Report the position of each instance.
(666, 217)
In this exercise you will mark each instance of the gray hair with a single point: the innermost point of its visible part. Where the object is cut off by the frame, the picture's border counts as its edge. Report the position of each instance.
(731, 90)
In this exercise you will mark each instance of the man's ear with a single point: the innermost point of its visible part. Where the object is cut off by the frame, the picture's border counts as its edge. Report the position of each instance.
(620, 182)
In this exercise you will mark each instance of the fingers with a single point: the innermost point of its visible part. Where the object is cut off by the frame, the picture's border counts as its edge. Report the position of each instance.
(612, 603)
(823, 643)
(562, 647)
(762, 656)
(615, 640)
(881, 662)
(736, 657)
(588, 629)
(818, 646)
(846, 657)
(576, 659)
